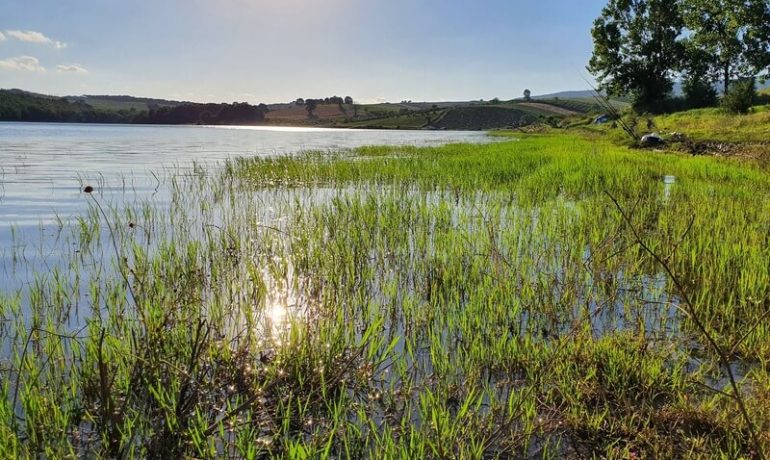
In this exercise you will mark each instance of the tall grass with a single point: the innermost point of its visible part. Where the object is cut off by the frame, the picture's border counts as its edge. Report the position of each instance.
(450, 302)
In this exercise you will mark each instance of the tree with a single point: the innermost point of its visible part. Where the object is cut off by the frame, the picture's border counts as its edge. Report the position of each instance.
(348, 100)
(299, 101)
(698, 87)
(733, 37)
(636, 50)
(310, 106)
(527, 95)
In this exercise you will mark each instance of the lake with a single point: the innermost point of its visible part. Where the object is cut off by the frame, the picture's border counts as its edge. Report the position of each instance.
(43, 166)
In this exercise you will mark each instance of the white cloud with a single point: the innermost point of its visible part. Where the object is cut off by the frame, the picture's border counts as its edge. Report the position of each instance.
(31, 36)
(73, 68)
(2, 37)
(22, 63)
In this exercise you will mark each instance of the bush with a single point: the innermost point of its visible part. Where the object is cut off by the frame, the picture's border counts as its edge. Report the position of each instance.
(741, 97)
(699, 93)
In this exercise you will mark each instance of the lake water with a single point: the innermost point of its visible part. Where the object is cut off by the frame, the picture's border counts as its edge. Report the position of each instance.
(43, 166)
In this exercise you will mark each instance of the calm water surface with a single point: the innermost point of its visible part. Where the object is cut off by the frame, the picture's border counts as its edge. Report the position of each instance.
(43, 166)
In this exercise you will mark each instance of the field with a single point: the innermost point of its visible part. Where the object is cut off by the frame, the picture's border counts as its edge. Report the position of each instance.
(418, 115)
(299, 114)
(546, 296)
(548, 108)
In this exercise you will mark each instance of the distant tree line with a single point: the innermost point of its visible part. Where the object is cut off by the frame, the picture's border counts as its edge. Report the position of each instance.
(206, 114)
(22, 106)
(641, 47)
(312, 104)
(326, 100)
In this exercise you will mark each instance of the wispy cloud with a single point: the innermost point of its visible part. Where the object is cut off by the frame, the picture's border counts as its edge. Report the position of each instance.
(30, 36)
(2, 37)
(73, 68)
(22, 63)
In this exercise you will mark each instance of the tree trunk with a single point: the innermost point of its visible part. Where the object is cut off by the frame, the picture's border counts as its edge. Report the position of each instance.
(727, 79)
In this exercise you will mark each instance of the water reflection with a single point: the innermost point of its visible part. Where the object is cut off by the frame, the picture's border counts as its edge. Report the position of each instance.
(668, 184)
(281, 310)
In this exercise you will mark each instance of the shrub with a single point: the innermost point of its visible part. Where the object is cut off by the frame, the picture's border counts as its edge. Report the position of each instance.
(699, 93)
(741, 97)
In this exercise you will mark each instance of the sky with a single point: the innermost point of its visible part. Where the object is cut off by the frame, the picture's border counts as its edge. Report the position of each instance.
(278, 50)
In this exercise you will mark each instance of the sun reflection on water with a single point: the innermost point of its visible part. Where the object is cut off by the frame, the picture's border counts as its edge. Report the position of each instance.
(283, 308)
(278, 315)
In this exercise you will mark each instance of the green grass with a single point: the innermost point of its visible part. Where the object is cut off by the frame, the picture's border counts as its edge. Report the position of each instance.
(718, 125)
(465, 301)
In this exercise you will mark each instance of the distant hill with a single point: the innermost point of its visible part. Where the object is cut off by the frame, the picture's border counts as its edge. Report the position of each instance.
(22, 92)
(18, 105)
(483, 117)
(579, 94)
(117, 103)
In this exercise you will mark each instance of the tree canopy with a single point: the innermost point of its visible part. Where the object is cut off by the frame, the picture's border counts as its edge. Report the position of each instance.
(733, 37)
(642, 46)
(636, 50)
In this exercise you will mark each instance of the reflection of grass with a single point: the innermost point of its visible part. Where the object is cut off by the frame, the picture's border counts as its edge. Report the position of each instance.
(464, 301)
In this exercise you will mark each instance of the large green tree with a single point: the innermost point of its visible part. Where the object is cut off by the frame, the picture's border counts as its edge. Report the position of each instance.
(637, 50)
(732, 37)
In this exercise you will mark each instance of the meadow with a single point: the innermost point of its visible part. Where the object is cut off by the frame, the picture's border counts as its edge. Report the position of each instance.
(546, 296)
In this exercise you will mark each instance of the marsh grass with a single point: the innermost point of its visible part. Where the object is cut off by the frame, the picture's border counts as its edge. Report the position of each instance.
(449, 302)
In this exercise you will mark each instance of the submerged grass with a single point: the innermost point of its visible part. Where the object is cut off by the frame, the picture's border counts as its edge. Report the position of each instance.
(450, 302)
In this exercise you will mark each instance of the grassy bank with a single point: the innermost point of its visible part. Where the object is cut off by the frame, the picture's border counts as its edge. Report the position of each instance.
(465, 301)
(719, 125)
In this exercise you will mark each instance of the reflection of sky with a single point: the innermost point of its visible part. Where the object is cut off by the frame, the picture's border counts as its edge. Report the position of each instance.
(276, 51)
(43, 166)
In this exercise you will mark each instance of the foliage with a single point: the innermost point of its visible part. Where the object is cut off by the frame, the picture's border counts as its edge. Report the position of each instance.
(732, 37)
(741, 98)
(209, 114)
(641, 45)
(22, 106)
(636, 50)
(310, 106)
(698, 87)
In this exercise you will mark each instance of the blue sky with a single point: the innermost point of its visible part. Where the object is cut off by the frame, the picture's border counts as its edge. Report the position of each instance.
(278, 50)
